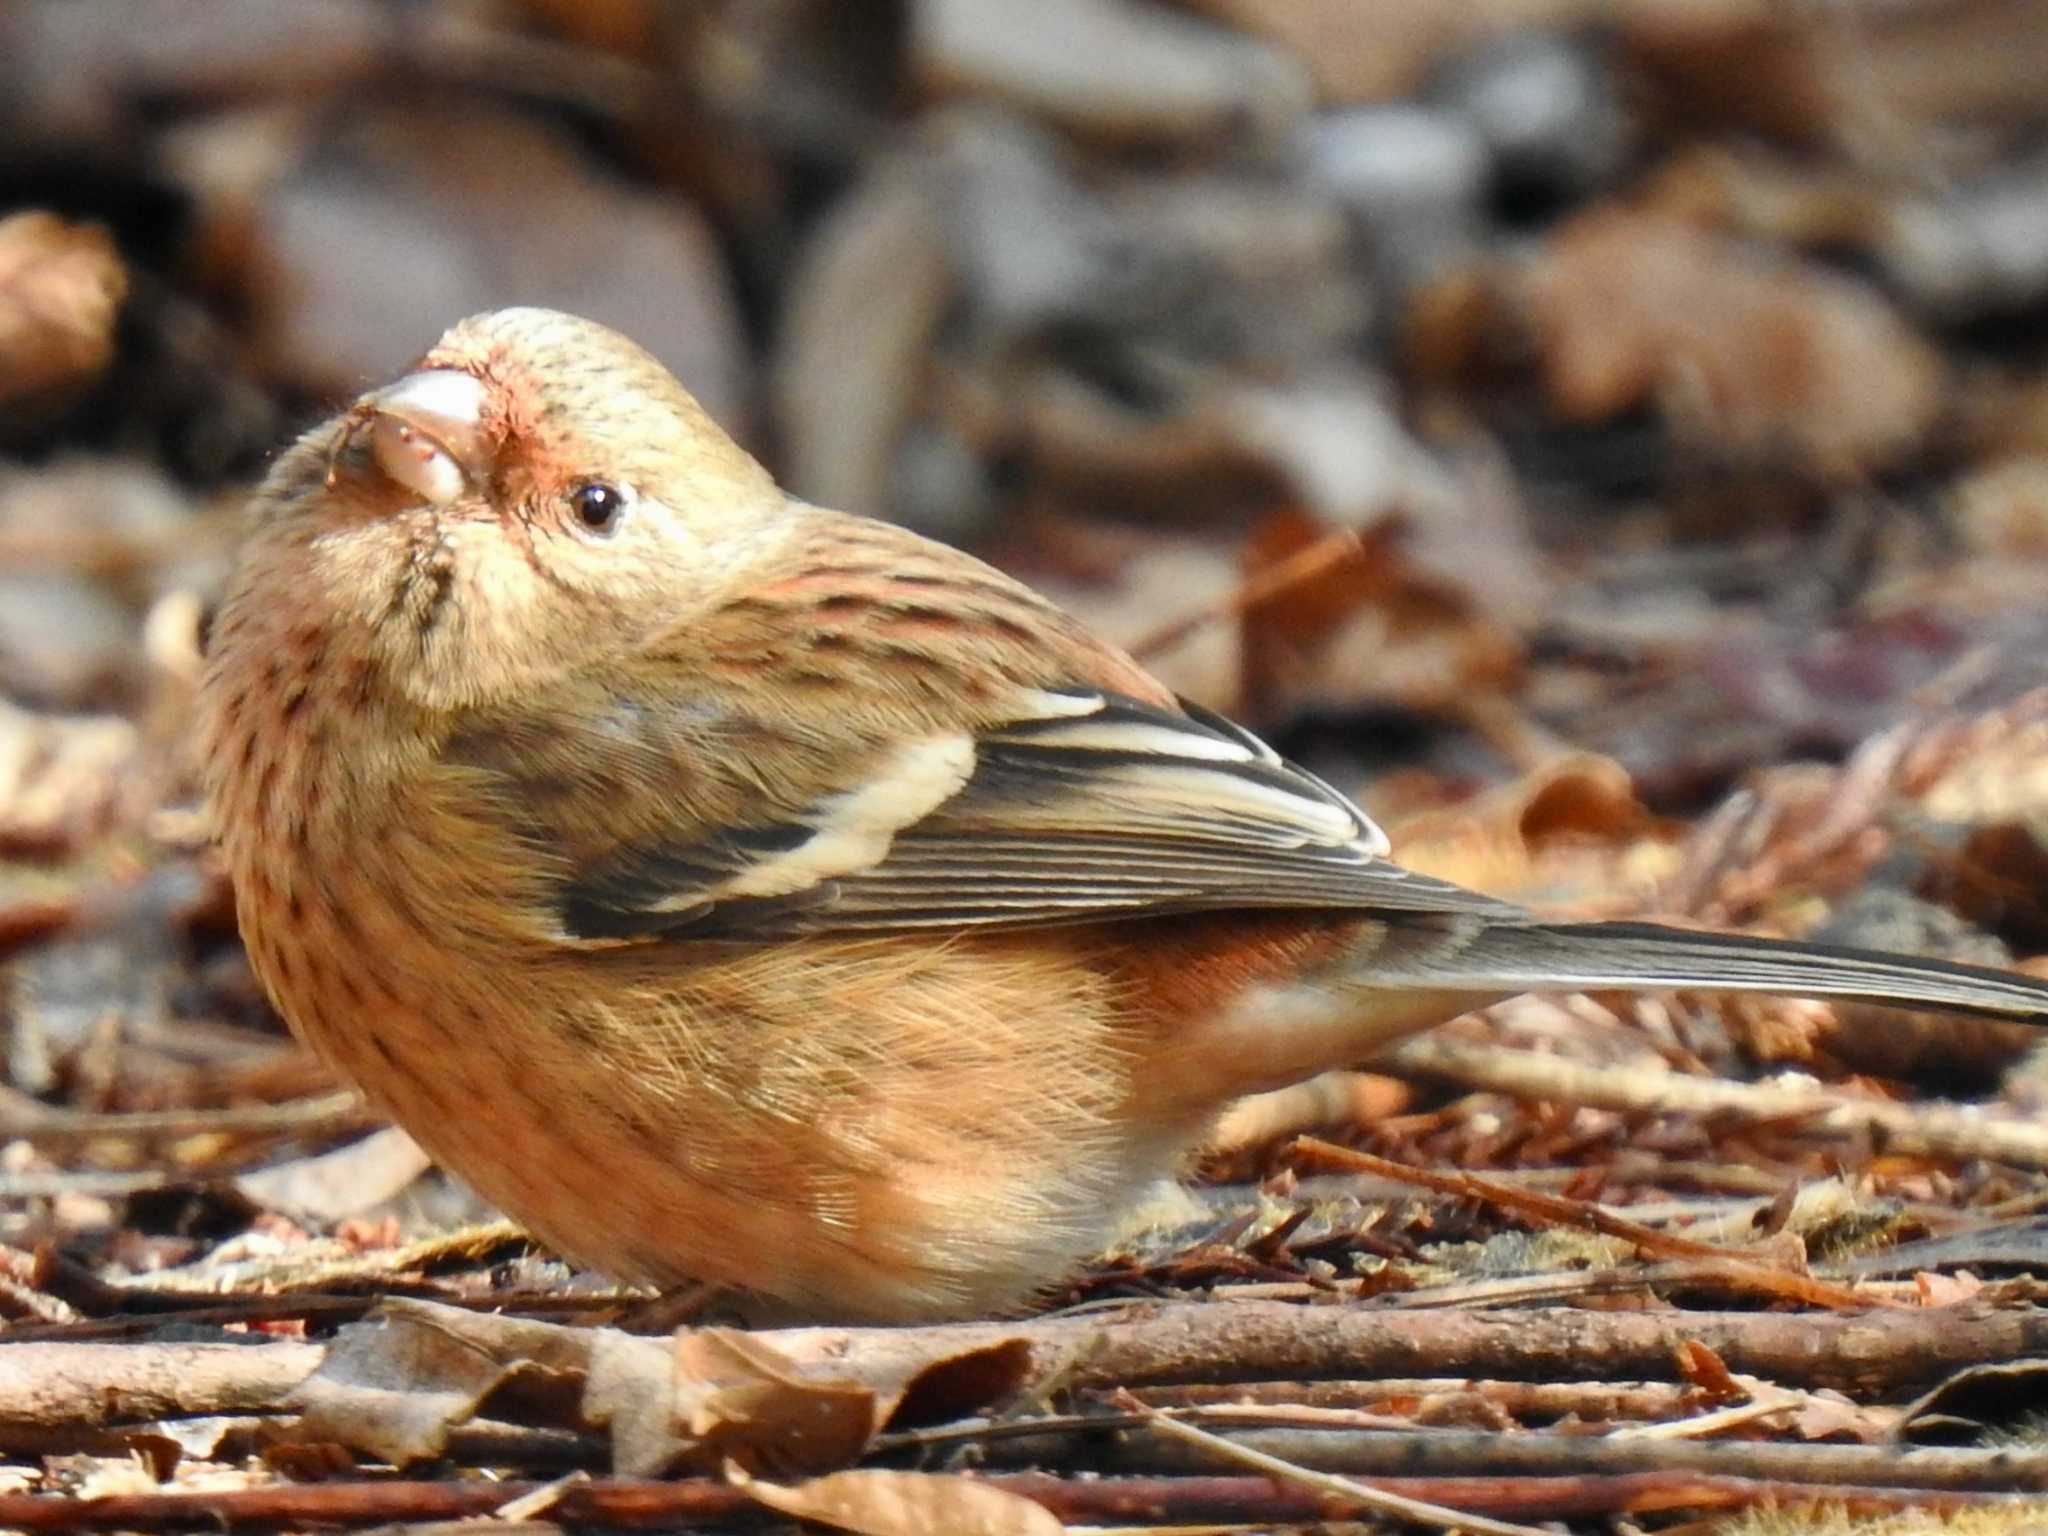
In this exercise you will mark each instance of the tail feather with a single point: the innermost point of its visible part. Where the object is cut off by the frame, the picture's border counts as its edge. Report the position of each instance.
(1552, 957)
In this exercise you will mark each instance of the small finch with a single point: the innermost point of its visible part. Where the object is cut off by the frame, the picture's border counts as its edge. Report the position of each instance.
(734, 890)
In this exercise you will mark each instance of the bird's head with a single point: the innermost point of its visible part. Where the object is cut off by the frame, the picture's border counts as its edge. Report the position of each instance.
(537, 493)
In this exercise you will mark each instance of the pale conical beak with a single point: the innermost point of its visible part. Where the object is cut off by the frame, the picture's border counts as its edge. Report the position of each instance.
(427, 433)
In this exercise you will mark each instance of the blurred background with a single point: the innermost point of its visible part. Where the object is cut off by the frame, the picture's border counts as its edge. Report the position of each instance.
(1611, 438)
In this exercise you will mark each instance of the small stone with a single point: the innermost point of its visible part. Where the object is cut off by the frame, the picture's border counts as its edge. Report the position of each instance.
(1112, 67)
(399, 223)
(1547, 109)
(1978, 251)
(1400, 162)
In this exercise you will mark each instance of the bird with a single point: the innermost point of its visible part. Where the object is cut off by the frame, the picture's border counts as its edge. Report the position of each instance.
(742, 893)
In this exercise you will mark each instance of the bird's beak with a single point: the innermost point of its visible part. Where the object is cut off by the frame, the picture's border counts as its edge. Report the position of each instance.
(427, 433)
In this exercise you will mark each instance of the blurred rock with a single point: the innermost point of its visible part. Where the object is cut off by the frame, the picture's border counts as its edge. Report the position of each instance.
(1030, 245)
(2001, 509)
(1067, 312)
(1125, 69)
(864, 304)
(61, 778)
(395, 225)
(808, 77)
(63, 640)
(71, 1001)
(1415, 178)
(84, 546)
(1401, 162)
(75, 71)
(1215, 268)
(61, 286)
(1976, 251)
(940, 485)
(1342, 448)
(1372, 50)
(1548, 108)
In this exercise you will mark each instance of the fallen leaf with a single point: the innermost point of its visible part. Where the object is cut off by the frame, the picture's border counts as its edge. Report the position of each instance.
(395, 1384)
(738, 1399)
(332, 1186)
(61, 286)
(1748, 353)
(1571, 834)
(882, 1503)
(1707, 1371)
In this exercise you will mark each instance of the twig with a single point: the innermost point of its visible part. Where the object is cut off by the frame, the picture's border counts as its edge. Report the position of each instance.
(1556, 1210)
(1163, 1345)
(98, 1384)
(1452, 1398)
(1723, 1277)
(1939, 1130)
(1151, 1500)
(1262, 585)
(24, 1116)
(1378, 1500)
(1447, 1454)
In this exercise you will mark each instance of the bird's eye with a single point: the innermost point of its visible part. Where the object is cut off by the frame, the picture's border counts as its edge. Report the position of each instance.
(598, 506)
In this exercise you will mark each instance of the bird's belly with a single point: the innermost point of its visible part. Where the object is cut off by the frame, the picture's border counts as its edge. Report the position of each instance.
(866, 1151)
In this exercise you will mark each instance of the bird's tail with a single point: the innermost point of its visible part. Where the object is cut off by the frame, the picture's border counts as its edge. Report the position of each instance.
(1505, 958)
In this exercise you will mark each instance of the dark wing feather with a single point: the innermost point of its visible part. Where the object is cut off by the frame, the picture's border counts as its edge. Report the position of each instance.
(1104, 807)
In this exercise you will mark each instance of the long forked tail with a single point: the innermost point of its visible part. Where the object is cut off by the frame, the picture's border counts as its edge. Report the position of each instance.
(1555, 957)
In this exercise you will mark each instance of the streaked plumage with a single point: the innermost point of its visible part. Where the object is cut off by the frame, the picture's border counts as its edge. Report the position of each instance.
(734, 889)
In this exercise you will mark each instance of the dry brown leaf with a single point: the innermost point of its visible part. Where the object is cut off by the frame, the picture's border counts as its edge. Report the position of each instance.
(882, 1503)
(629, 1391)
(1571, 834)
(61, 285)
(394, 1385)
(1707, 1371)
(333, 1186)
(722, 1395)
(1370, 629)
(1876, 78)
(1779, 199)
(2001, 508)
(740, 1400)
(1983, 770)
(1753, 356)
(62, 778)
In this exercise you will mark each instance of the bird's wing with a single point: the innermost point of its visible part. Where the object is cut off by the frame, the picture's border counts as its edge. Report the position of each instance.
(892, 735)
(1095, 806)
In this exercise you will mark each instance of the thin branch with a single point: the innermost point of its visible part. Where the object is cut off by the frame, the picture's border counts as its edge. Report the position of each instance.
(1556, 1210)
(21, 1115)
(1378, 1500)
(1938, 1130)
(1261, 586)
(1104, 1501)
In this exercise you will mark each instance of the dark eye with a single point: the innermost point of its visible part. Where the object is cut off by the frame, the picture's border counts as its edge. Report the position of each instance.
(598, 506)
